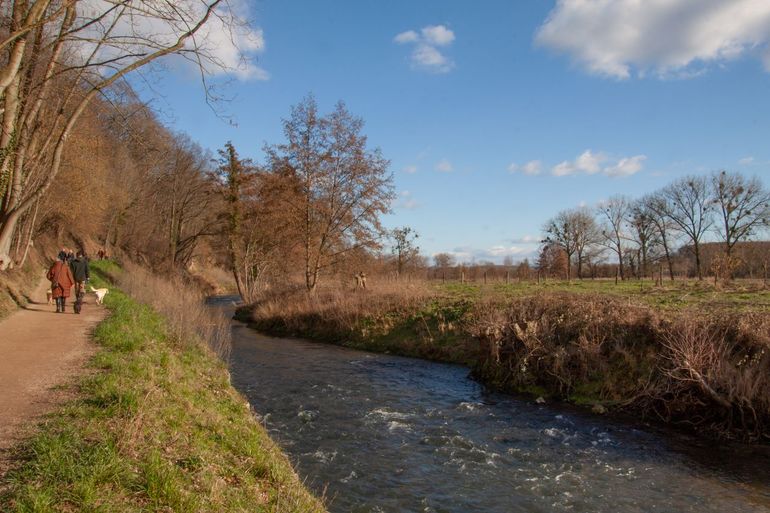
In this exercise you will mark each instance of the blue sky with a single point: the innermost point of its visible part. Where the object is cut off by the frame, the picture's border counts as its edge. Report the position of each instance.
(498, 114)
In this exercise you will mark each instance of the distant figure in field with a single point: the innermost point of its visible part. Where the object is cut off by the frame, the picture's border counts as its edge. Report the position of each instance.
(101, 254)
(60, 276)
(80, 271)
(360, 281)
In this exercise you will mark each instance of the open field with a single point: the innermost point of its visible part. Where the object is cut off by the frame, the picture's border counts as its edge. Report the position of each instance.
(740, 294)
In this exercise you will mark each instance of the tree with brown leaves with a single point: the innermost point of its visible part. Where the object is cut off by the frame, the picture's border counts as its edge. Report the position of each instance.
(339, 187)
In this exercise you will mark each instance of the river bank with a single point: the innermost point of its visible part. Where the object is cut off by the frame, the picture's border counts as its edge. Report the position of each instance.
(701, 367)
(389, 434)
(154, 425)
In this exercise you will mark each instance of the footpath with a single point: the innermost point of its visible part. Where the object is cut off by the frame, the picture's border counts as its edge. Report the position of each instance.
(40, 350)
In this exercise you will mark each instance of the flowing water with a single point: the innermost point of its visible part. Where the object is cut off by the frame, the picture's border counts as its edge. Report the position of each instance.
(379, 433)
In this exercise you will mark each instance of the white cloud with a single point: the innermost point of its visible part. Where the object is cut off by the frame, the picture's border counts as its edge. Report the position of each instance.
(527, 239)
(563, 169)
(444, 166)
(438, 35)
(430, 58)
(746, 161)
(410, 36)
(497, 253)
(426, 55)
(618, 38)
(406, 201)
(626, 166)
(532, 168)
(411, 169)
(503, 251)
(591, 163)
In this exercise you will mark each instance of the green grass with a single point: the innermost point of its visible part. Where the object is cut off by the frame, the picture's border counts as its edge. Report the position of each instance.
(156, 427)
(741, 294)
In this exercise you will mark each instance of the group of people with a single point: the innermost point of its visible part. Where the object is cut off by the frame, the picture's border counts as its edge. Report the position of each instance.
(69, 270)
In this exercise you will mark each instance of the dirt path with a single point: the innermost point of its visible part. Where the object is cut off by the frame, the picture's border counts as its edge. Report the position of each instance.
(39, 349)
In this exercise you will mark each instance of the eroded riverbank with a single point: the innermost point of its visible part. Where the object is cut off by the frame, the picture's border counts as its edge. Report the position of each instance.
(382, 433)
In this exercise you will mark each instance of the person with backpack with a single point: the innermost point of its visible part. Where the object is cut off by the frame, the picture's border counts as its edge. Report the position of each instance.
(79, 267)
(60, 276)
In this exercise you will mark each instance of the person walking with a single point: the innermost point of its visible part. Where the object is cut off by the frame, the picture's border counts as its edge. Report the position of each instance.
(60, 276)
(79, 268)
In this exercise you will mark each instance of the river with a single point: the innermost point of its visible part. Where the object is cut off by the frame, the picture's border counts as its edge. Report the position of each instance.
(380, 433)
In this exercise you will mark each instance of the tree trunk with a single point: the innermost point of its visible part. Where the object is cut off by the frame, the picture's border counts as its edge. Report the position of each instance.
(29, 236)
(7, 229)
(580, 267)
(697, 260)
(668, 258)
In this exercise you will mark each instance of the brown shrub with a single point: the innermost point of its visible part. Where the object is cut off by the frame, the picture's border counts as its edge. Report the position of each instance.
(557, 341)
(706, 370)
(335, 312)
(715, 372)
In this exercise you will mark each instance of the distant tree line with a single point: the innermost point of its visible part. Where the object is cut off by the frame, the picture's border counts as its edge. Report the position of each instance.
(696, 225)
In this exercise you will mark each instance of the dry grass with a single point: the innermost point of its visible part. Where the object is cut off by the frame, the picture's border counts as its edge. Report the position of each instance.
(711, 371)
(707, 366)
(337, 311)
(181, 304)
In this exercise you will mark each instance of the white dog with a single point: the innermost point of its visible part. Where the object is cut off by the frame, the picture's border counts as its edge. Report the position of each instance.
(100, 293)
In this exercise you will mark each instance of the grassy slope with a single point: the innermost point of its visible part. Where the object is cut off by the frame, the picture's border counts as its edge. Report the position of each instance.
(156, 427)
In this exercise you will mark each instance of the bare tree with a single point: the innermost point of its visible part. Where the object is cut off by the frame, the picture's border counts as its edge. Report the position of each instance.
(185, 200)
(443, 260)
(643, 234)
(59, 56)
(341, 187)
(587, 236)
(690, 211)
(614, 213)
(657, 208)
(574, 231)
(404, 247)
(743, 206)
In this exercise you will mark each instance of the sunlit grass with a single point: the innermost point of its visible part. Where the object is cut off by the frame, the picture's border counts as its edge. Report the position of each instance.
(156, 427)
(740, 294)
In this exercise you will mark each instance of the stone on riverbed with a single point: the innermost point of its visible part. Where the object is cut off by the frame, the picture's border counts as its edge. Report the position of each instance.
(598, 408)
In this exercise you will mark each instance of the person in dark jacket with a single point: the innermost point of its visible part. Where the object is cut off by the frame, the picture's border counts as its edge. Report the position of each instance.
(60, 276)
(79, 267)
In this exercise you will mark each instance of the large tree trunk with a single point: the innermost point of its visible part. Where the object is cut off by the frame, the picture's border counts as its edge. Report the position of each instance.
(7, 229)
